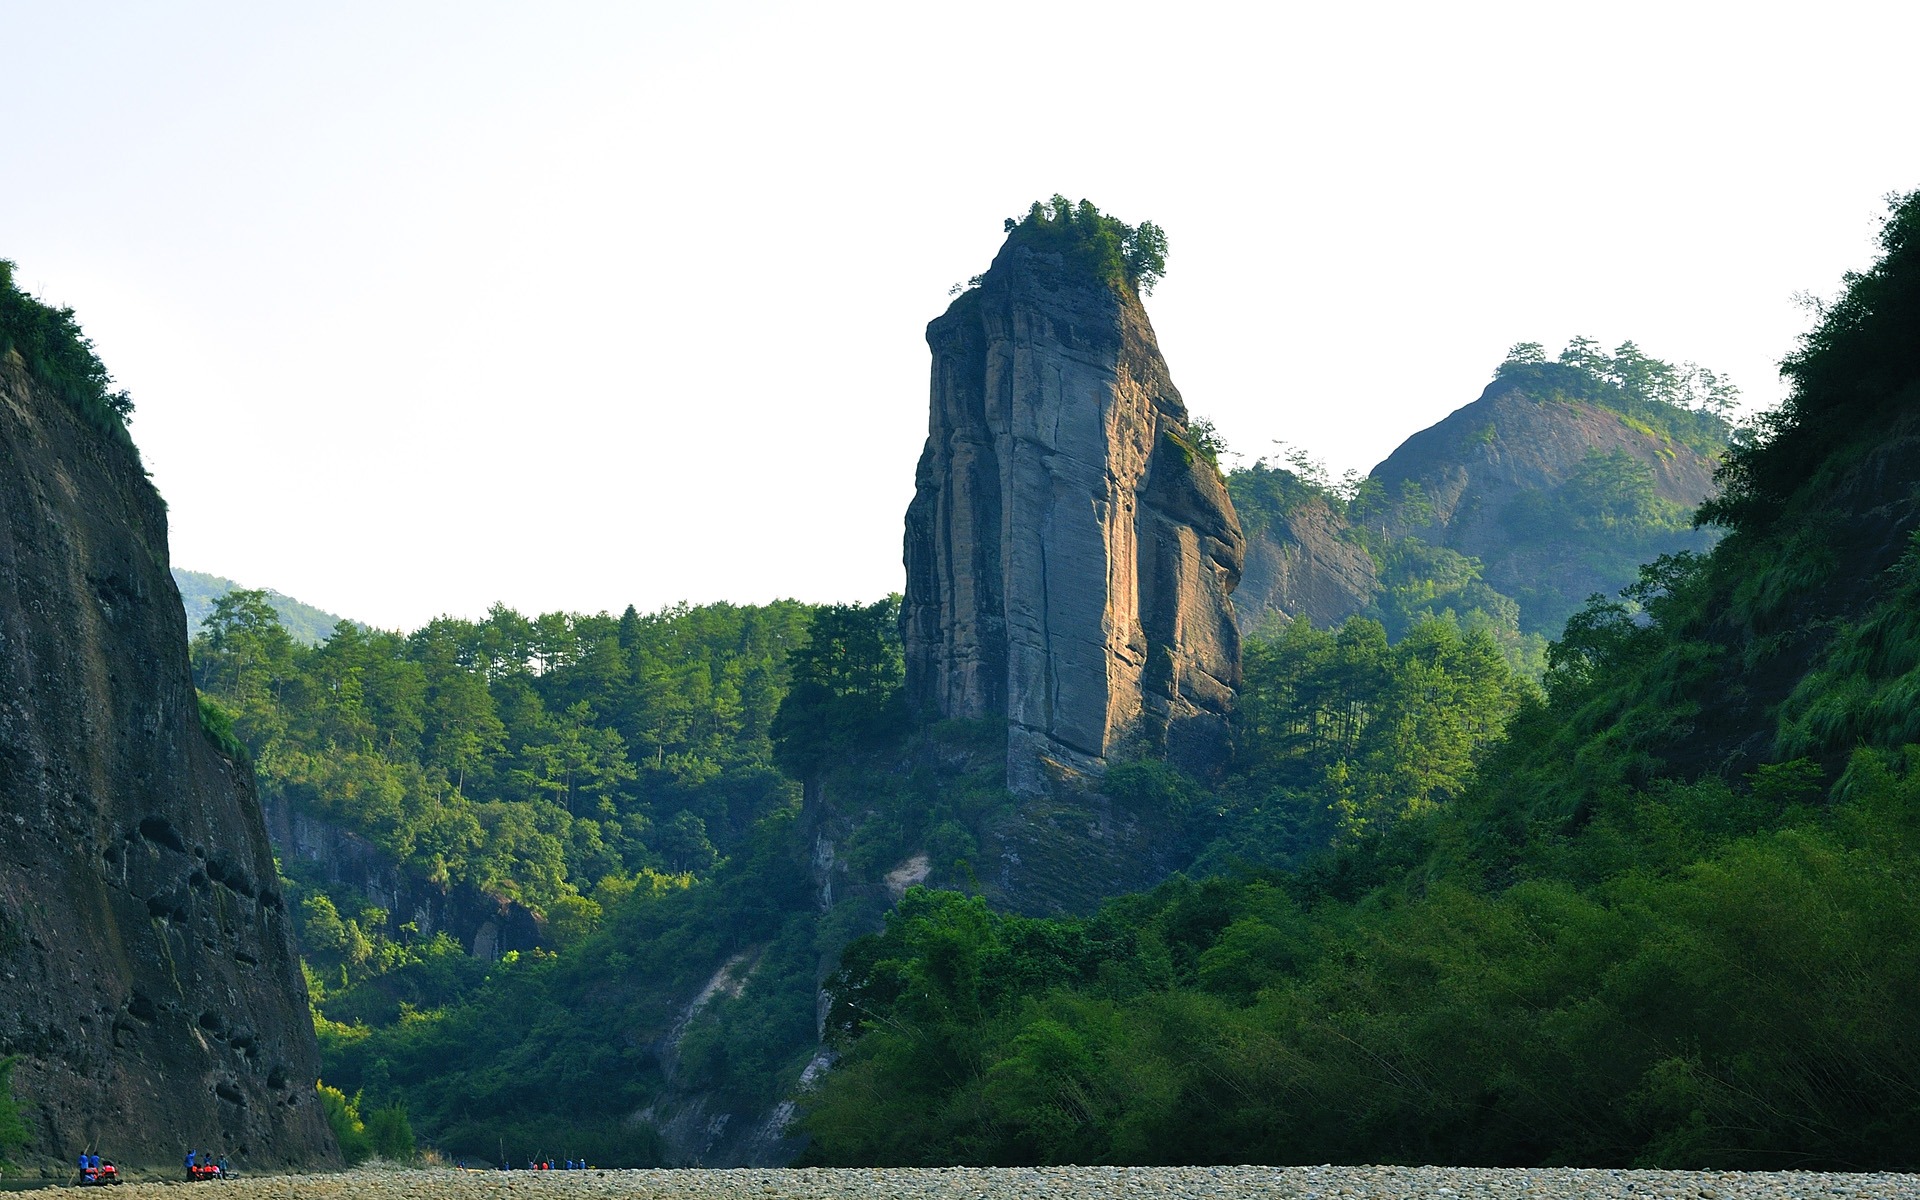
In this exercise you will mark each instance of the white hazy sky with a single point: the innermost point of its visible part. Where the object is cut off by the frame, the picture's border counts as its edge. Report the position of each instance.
(571, 305)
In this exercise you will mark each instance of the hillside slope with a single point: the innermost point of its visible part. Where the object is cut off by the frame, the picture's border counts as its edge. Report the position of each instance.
(1557, 482)
(198, 590)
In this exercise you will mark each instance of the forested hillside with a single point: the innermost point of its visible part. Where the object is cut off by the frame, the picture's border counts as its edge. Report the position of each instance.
(566, 767)
(622, 780)
(558, 762)
(629, 791)
(1645, 895)
(1556, 484)
(306, 624)
(1672, 919)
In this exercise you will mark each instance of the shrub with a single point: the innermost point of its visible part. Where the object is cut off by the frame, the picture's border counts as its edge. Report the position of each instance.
(13, 1129)
(217, 724)
(343, 1117)
(390, 1133)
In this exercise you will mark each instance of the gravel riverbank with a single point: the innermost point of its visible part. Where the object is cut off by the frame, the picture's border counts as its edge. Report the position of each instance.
(1054, 1183)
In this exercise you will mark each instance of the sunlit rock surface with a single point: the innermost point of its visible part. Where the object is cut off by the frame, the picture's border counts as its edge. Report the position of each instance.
(1070, 557)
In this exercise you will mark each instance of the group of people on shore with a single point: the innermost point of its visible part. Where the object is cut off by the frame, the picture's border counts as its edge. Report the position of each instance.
(201, 1164)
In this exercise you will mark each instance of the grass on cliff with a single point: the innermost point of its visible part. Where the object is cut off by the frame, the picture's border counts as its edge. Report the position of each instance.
(60, 358)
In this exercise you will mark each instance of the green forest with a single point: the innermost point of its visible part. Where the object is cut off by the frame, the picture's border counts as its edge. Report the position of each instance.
(636, 783)
(1669, 921)
(1643, 895)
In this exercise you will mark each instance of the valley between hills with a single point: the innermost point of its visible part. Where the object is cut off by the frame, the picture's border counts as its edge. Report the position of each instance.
(1543, 797)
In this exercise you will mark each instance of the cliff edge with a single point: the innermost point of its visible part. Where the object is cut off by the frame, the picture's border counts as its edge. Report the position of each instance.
(148, 981)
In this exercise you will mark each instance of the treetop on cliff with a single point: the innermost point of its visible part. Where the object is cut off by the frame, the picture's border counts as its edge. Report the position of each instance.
(1638, 375)
(1133, 256)
(59, 356)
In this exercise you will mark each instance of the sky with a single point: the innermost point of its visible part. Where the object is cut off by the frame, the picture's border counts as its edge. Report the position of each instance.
(425, 306)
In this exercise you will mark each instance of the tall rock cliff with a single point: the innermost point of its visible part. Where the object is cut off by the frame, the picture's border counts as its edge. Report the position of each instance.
(147, 973)
(1070, 556)
(1301, 563)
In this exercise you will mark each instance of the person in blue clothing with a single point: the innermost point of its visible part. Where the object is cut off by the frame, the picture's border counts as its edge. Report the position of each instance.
(190, 1158)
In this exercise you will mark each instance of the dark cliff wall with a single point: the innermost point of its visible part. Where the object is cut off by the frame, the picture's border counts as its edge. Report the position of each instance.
(1069, 556)
(147, 972)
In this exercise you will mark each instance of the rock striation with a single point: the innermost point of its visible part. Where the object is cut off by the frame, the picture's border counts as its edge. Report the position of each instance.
(148, 981)
(1070, 555)
(1300, 567)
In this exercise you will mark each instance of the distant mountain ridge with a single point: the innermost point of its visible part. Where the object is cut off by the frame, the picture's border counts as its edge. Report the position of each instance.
(309, 625)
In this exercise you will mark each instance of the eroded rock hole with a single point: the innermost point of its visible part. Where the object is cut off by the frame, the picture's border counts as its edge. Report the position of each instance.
(161, 832)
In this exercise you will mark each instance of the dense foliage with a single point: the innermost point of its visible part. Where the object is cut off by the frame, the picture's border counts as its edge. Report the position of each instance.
(303, 622)
(1671, 920)
(593, 770)
(1688, 403)
(1711, 1000)
(845, 690)
(13, 1130)
(1342, 734)
(558, 762)
(553, 1053)
(1857, 368)
(61, 359)
(342, 1113)
(1129, 256)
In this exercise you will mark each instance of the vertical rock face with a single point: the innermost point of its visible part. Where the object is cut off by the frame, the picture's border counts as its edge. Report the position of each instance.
(1300, 567)
(1070, 557)
(147, 973)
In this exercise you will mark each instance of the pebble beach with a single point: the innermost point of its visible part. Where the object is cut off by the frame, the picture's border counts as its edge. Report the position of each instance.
(1055, 1183)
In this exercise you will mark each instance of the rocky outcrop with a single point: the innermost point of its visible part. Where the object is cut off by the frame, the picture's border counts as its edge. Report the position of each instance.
(147, 972)
(1070, 556)
(1474, 464)
(1510, 480)
(488, 926)
(1541, 487)
(1300, 567)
